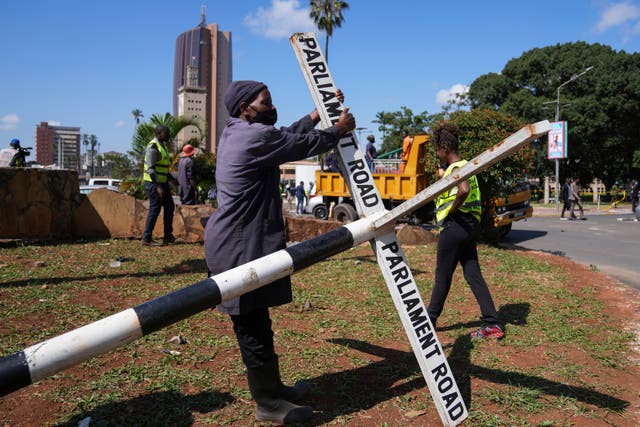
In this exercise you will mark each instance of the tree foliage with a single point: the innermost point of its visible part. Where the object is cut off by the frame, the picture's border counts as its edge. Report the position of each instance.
(327, 15)
(137, 115)
(393, 124)
(205, 164)
(145, 132)
(602, 106)
(116, 165)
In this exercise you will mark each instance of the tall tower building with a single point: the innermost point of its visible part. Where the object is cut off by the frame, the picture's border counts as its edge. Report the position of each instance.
(202, 72)
(192, 103)
(58, 145)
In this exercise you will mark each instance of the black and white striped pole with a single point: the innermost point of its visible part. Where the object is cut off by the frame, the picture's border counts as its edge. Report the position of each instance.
(64, 351)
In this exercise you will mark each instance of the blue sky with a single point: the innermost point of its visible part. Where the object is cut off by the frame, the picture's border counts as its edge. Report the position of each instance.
(90, 63)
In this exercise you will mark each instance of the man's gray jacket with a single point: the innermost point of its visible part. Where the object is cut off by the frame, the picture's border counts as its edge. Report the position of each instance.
(248, 223)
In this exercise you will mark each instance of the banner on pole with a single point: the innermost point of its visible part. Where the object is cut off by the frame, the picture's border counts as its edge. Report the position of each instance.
(558, 142)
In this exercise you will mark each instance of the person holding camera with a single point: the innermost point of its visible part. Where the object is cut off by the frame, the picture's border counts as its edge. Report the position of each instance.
(14, 156)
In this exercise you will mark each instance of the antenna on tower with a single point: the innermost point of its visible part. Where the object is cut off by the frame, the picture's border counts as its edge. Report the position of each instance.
(203, 15)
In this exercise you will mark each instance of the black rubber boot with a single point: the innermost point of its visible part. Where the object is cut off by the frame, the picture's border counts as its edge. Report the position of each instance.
(292, 394)
(265, 386)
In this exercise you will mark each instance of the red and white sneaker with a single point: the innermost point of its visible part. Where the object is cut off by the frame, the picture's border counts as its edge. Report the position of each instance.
(494, 331)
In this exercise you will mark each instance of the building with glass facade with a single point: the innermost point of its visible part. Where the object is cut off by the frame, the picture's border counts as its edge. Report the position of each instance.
(58, 145)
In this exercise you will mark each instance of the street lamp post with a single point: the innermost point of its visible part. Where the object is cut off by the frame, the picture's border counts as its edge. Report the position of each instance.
(359, 130)
(573, 78)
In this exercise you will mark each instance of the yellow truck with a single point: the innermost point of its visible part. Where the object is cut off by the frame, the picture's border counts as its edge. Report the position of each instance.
(394, 187)
(513, 207)
(397, 184)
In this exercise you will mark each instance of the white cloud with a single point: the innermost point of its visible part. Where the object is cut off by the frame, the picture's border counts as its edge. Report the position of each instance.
(445, 95)
(284, 18)
(53, 123)
(616, 15)
(120, 123)
(9, 122)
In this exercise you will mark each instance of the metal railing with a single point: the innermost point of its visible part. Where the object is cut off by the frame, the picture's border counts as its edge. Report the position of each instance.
(386, 166)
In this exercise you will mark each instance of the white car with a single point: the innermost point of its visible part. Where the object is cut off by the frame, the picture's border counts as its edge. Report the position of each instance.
(86, 189)
(317, 207)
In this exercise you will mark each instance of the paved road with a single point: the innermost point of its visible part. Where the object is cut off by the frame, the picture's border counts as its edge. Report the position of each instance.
(609, 242)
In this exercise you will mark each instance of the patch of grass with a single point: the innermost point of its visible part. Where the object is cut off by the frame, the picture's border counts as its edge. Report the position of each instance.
(514, 397)
(349, 344)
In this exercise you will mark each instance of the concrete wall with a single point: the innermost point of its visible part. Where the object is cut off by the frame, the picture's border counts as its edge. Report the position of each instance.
(37, 203)
(46, 204)
(107, 213)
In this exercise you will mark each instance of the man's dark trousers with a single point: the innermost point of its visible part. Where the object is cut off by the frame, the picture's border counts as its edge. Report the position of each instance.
(155, 203)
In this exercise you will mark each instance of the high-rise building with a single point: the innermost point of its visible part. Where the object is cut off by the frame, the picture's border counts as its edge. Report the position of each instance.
(192, 103)
(201, 74)
(58, 145)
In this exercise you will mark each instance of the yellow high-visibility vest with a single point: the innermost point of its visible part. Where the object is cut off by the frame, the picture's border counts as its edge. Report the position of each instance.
(161, 166)
(472, 205)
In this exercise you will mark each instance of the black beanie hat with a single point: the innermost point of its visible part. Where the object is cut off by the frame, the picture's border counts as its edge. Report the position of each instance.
(240, 91)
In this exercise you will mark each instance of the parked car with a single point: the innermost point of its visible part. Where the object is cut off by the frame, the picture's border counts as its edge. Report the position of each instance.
(86, 189)
(112, 182)
(316, 207)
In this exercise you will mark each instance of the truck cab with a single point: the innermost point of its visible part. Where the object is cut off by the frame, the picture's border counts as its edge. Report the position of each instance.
(514, 206)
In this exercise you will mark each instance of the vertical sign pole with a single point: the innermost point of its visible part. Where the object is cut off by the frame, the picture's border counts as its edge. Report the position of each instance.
(393, 264)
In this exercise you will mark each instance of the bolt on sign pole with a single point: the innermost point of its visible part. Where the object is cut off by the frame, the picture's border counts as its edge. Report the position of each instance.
(393, 264)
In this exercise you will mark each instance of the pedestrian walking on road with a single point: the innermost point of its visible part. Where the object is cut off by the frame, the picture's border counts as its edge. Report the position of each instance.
(574, 196)
(635, 188)
(564, 194)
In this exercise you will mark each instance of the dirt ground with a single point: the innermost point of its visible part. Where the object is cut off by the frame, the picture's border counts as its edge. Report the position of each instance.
(27, 408)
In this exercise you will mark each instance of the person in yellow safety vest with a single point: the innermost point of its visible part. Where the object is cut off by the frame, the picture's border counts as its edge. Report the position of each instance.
(156, 184)
(458, 214)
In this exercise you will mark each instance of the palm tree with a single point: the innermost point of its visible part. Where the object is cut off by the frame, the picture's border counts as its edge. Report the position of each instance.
(85, 142)
(327, 15)
(145, 132)
(137, 114)
(93, 140)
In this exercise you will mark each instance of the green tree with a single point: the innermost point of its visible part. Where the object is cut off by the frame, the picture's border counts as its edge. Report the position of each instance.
(116, 165)
(137, 114)
(601, 106)
(93, 141)
(85, 142)
(205, 164)
(145, 132)
(392, 124)
(327, 15)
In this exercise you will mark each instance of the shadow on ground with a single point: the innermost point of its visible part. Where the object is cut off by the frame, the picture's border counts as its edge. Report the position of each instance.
(341, 393)
(188, 266)
(156, 409)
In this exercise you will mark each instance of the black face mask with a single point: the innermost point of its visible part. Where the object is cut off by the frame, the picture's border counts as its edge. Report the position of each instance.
(266, 117)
